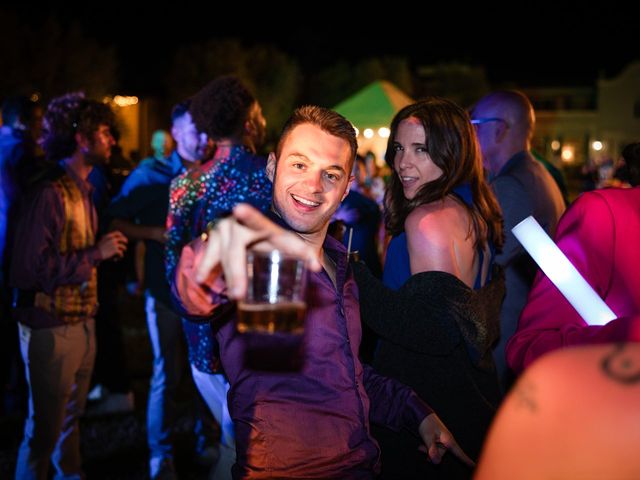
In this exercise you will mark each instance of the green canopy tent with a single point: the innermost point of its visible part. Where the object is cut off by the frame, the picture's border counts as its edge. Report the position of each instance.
(372, 108)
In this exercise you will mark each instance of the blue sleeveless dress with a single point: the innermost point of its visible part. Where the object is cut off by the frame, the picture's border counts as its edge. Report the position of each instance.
(397, 268)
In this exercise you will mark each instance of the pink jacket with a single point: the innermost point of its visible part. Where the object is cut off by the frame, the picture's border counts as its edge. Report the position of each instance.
(600, 234)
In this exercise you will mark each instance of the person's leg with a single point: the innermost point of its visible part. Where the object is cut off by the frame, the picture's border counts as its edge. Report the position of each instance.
(13, 387)
(206, 430)
(165, 333)
(214, 389)
(66, 455)
(50, 378)
(222, 469)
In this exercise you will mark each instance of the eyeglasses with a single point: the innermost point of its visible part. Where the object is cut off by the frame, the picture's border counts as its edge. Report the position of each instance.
(480, 121)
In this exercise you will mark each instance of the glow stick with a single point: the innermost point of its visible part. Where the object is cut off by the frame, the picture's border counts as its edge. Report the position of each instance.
(562, 273)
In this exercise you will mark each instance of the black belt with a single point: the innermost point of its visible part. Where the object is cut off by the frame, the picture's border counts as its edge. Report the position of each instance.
(23, 298)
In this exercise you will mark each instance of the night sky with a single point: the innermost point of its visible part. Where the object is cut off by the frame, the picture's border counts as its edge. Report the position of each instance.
(567, 44)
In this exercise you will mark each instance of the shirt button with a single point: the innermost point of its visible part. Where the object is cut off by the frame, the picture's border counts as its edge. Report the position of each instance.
(342, 311)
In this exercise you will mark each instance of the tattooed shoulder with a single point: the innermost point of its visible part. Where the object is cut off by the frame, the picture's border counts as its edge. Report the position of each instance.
(621, 363)
(525, 395)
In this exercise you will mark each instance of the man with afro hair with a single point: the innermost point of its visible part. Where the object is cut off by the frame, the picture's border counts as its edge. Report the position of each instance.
(231, 117)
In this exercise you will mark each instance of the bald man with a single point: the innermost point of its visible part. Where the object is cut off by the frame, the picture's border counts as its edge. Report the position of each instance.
(505, 122)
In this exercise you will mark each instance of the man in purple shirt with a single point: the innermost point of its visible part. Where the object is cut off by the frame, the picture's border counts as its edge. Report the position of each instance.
(313, 422)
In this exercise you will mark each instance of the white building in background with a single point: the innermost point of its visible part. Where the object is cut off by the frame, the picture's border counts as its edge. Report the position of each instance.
(588, 125)
(619, 109)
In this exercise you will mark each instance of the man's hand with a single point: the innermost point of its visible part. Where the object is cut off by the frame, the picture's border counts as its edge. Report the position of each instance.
(438, 439)
(229, 240)
(111, 245)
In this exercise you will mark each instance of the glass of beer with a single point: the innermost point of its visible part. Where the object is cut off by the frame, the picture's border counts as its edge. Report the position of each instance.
(275, 300)
(271, 316)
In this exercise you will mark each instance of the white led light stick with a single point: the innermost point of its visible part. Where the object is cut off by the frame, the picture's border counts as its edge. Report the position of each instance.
(562, 273)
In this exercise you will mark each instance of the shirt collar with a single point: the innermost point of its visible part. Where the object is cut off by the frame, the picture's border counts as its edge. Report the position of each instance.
(335, 249)
(85, 187)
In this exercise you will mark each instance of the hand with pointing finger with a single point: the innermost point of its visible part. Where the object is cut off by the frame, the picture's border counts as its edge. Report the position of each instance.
(438, 439)
(228, 241)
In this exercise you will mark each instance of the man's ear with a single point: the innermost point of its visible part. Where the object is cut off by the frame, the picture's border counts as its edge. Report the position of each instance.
(82, 141)
(346, 192)
(501, 132)
(249, 127)
(271, 166)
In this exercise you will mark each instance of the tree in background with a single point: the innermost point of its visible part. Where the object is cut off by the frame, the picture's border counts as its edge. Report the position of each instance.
(52, 59)
(274, 77)
(335, 83)
(460, 82)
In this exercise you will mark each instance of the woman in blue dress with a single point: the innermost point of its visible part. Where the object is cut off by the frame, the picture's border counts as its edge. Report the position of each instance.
(437, 314)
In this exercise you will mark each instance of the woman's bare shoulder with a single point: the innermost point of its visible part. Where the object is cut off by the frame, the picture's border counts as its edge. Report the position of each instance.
(440, 217)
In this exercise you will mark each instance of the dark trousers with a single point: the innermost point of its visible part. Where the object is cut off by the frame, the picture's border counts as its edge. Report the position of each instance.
(13, 386)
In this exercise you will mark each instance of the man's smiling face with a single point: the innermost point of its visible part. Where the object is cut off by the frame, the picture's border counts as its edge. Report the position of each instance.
(311, 178)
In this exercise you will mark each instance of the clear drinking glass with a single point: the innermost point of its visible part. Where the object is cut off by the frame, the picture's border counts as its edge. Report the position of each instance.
(275, 300)
(271, 316)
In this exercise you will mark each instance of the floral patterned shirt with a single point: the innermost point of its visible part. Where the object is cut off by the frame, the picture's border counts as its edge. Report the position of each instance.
(198, 197)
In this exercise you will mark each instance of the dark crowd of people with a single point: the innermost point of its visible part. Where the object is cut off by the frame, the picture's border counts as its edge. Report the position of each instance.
(425, 316)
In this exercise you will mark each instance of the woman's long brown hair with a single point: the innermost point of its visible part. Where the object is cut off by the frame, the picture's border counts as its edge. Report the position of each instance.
(452, 145)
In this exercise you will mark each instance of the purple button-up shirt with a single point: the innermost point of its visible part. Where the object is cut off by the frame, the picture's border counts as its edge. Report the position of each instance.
(314, 422)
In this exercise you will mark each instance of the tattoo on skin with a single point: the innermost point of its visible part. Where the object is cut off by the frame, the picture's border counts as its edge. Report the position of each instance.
(619, 365)
(525, 396)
